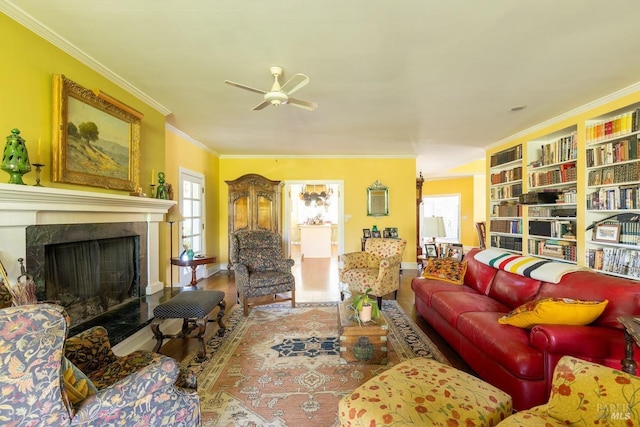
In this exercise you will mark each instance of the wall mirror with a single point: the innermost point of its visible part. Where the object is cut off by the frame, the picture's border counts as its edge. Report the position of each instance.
(377, 200)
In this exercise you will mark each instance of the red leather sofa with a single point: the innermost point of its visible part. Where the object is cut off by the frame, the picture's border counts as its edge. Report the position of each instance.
(516, 360)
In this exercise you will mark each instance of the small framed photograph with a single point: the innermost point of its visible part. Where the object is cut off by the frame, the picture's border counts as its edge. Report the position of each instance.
(394, 232)
(366, 233)
(454, 252)
(607, 176)
(386, 233)
(607, 233)
(431, 250)
(375, 234)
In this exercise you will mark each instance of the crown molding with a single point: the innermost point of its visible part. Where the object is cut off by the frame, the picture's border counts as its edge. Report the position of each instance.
(36, 27)
(178, 132)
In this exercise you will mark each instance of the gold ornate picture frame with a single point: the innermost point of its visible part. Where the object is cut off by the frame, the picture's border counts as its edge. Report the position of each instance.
(95, 142)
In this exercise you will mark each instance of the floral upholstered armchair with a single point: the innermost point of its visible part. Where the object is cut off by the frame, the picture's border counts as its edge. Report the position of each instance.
(260, 270)
(378, 268)
(41, 387)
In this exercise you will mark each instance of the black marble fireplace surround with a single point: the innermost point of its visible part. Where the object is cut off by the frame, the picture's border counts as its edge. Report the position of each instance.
(117, 303)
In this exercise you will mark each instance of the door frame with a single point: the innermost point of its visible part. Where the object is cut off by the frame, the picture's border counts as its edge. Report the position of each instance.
(184, 275)
(286, 223)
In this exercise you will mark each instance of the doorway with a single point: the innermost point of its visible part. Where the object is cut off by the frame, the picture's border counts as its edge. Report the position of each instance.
(192, 206)
(314, 235)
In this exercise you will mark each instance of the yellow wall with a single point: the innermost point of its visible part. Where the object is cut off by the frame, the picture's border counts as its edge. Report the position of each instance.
(26, 74)
(577, 118)
(357, 173)
(464, 187)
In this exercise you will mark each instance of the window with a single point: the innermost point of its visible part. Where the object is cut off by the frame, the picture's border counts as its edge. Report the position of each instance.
(192, 209)
(448, 207)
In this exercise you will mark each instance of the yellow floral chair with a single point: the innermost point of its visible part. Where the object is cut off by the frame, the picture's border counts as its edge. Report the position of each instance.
(585, 394)
(378, 268)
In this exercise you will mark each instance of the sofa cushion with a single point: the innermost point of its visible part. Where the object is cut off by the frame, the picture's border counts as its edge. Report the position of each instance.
(513, 290)
(623, 295)
(508, 346)
(450, 305)
(478, 276)
(76, 384)
(554, 311)
(425, 288)
(445, 270)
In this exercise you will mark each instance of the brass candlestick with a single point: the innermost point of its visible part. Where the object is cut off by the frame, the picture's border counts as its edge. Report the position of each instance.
(153, 191)
(38, 166)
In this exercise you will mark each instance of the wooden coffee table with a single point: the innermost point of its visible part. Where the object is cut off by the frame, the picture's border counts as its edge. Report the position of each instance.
(361, 343)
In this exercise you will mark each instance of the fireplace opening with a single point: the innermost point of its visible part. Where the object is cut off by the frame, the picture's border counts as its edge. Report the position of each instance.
(90, 278)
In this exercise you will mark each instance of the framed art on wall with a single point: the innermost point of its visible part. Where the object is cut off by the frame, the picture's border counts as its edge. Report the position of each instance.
(95, 142)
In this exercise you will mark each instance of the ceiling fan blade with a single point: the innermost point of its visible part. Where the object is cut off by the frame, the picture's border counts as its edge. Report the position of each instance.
(241, 86)
(261, 105)
(305, 105)
(294, 83)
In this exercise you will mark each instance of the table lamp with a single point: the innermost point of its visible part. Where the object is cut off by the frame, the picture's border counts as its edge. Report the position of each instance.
(173, 215)
(432, 227)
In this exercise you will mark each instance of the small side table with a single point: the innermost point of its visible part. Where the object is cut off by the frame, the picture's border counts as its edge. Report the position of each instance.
(194, 263)
(631, 334)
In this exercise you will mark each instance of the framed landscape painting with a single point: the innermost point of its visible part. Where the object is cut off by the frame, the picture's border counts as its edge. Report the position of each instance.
(95, 143)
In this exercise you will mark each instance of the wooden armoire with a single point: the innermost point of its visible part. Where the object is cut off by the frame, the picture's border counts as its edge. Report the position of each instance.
(254, 204)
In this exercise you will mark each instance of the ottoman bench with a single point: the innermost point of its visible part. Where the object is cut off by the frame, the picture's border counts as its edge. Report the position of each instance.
(423, 392)
(193, 307)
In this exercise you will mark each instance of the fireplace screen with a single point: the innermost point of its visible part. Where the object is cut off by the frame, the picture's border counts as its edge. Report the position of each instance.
(92, 277)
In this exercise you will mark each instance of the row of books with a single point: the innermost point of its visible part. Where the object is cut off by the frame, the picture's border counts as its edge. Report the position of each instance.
(615, 260)
(619, 125)
(507, 242)
(613, 152)
(506, 192)
(508, 175)
(551, 211)
(513, 226)
(506, 156)
(613, 198)
(506, 209)
(562, 150)
(626, 172)
(553, 248)
(565, 173)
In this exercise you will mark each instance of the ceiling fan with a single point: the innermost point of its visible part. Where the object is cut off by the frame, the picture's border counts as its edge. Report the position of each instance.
(280, 94)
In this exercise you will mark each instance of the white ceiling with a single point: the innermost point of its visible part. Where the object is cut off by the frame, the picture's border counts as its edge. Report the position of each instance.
(434, 79)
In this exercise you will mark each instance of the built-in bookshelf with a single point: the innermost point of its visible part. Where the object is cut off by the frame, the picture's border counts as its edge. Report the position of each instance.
(552, 171)
(506, 186)
(613, 193)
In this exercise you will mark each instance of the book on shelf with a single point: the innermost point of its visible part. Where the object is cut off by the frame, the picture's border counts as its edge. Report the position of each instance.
(506, 156)
(619, 125)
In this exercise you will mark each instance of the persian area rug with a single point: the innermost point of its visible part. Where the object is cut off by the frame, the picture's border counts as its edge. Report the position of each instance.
(280, 366)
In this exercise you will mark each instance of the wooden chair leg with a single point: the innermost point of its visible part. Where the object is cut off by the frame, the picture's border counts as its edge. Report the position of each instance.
(379, 302)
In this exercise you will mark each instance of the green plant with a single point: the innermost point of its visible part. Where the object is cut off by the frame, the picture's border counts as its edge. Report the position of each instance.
(362, 300)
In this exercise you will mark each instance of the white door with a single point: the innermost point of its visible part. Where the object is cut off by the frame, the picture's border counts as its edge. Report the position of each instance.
(192, 203)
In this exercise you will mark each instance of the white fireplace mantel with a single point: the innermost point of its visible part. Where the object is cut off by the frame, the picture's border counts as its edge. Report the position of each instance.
(22, 206)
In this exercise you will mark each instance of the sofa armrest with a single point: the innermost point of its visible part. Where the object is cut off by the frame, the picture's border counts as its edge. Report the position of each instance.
(590, 342)
(285, 265)
(90, 350)
(133, 390)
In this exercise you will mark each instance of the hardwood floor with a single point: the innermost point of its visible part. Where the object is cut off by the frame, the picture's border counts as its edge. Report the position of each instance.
(316, 281)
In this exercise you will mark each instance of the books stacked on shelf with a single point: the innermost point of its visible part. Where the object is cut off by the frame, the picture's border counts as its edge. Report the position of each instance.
(619, 125)
(552, 228)
(630, 232)
(507, 242)
(506, 192)
(625, 172)
(559, 249)
(512, 226)
(570, 195)
(622, 261)
(562, 150)
(614, 198)
(613, 152)
(506, 209)
(551, 211)
(506, 156)
(509, 175)
(566, 172)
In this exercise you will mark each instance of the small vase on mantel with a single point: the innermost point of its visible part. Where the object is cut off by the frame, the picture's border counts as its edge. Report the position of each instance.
(15, 160)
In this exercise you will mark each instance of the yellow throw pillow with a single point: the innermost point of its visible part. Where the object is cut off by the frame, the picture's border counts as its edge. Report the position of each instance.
(554, 311)
(76, 384)
(445, 270)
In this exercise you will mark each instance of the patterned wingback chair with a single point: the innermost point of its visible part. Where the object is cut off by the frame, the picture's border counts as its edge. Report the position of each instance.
(260, 269)
(32, 338)
(378, 268)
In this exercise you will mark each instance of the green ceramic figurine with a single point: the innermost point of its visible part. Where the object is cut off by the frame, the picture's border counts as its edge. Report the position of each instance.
(15, 160)
(161, 191)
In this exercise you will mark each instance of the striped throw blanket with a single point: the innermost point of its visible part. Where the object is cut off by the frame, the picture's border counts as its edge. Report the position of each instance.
(537, 268)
